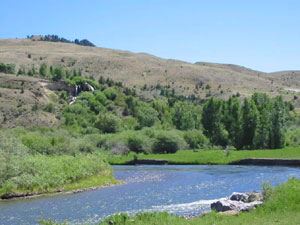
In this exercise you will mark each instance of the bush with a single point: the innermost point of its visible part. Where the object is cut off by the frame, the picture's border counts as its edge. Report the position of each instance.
(12, 151)
(40, 172)
(195, 139)
(7, 68)
(168, 142)
(43, 69)
(101, 97)
(139, 143)
(58, 73)
(293, 137)
(147, 116)
(49, 108)
(110, 93)
(120, 148)
(108, 123)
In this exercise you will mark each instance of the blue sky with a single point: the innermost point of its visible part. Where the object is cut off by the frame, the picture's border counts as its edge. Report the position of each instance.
(262, 35)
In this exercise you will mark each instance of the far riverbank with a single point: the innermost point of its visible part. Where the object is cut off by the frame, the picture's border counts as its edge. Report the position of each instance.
(289, 156)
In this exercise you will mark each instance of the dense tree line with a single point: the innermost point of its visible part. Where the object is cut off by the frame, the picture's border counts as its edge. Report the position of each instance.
(256, 124)
(56, 38)
(252, 123)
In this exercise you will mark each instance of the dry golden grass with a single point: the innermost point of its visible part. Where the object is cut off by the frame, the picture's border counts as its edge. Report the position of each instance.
(133, 69)
(137, 69)
(18, 96)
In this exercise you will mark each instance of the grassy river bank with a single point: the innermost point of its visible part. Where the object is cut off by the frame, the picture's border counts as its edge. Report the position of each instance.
(39, 174)
(214, 157)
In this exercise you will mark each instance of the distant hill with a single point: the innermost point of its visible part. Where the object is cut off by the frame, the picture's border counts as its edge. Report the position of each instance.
(144, 70)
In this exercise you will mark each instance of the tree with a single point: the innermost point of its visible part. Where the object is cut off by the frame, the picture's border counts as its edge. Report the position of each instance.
(146, 116)
(108, 123)
(185, 116)
(7, 68)
(249, 123)
(168, 142)
(43, 69)
(51, 70)
(58, 73)
(277, 118)
(211, 121)
(232, 121)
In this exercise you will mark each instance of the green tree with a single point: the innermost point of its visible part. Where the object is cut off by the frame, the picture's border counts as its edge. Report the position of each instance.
(168, 142)
(108, 123)
(195, 139)
(43, 69)
(146, 116)
(249, 123)
(110, 93)
(277, 138)
(185, 116)
(232, 121)
(58, 73)
(263, 105)
(212, 122)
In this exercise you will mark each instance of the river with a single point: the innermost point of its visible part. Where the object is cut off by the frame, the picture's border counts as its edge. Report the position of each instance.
(181, 190)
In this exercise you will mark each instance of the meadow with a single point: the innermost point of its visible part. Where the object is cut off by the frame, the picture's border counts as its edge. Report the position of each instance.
(208, 156)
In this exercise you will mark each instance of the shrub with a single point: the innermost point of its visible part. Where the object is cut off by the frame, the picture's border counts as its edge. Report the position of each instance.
(101, 97)
(58, 73)
(110, 93)
(108, 123)
(37, 143)
(168, 142)
(40, 172)
(7, 68)
(120, 148)
(129, 123)
(195, 139)
(147, 116)
(11, 152)
(139, 143)
(49, 108)
(43, 69)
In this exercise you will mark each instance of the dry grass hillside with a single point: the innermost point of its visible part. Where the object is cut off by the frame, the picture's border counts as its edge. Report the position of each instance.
(138, 69)
(25, 102)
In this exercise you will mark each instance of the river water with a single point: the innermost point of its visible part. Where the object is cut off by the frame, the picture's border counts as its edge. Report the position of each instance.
(181, 190)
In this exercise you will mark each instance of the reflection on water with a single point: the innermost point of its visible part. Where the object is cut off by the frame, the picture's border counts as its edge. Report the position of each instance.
(182, 190)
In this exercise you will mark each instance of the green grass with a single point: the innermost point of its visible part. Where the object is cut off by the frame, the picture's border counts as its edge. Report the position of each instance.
(104, 179)
(46, 174)
(281, 207)
(101, 180)
(217, 157)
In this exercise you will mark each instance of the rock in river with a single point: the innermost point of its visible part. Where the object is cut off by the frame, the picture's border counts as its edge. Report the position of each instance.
(238, 202)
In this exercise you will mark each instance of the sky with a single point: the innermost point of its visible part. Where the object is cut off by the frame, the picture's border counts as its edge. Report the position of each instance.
(259, 34)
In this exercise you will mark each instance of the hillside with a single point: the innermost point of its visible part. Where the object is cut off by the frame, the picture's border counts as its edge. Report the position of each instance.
(25, 102)
(138, 69)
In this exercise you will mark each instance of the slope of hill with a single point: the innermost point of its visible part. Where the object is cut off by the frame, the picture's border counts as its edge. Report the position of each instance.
(144, 70)
(21, 97)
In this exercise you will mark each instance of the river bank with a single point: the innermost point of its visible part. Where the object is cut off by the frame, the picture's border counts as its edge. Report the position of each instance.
(280, 207)
(86, 184)
(212, 157)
